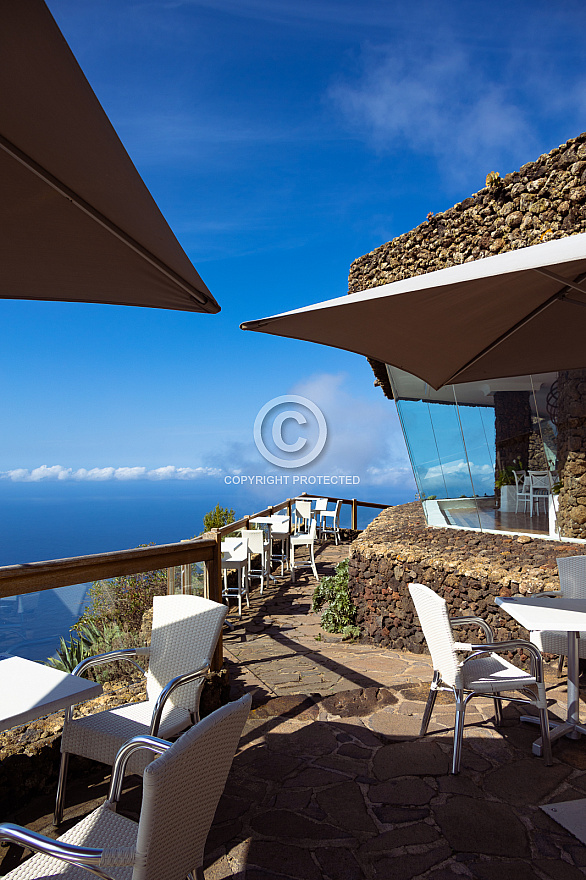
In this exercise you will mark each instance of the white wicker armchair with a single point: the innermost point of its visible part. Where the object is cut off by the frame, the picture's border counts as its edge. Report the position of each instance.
(483, 673)
(184, 636)
(181, 790)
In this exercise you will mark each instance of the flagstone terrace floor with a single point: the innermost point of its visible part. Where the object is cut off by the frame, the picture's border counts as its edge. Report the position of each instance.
(333, 781)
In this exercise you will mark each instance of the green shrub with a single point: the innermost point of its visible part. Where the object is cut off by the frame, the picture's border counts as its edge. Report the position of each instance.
(123, 600)
(218, 517)
(340, 614)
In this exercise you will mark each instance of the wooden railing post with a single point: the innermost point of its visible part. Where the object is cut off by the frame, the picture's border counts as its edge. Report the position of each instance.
(215, 594)
(354, 514)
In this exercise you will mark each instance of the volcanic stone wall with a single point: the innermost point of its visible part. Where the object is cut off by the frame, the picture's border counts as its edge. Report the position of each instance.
(469, 569)
(571, 450)
(544, 200)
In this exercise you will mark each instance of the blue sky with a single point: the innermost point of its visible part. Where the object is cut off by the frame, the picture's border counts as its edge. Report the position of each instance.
(281, 140)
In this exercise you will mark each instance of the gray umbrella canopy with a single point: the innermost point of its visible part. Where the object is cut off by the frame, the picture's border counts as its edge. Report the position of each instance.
(77, 223)
(508, 315)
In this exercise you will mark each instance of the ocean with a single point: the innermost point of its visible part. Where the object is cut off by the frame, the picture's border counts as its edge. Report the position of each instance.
(55, 520)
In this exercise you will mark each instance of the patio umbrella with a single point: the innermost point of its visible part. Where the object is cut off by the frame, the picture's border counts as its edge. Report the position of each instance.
(78, 224)
(509, 315)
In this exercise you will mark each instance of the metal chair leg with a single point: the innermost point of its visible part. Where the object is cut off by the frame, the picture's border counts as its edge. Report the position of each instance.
(430, 704)
(545, 737)
(561, 665)
(498, 713)
(61, 784)
(458, 731)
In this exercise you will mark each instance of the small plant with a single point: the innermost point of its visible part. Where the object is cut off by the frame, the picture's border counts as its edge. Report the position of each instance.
(493, 180)
(218, 517)
(506, 476)
(340, 614)
(69, 654)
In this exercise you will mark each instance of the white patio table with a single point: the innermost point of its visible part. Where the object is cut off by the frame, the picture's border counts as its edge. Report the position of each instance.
(543, 612)
(29, 690)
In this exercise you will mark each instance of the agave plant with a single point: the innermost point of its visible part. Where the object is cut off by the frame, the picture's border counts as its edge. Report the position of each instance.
(69, 654)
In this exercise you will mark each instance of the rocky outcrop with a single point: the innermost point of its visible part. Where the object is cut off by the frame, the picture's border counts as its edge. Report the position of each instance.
(469, 569)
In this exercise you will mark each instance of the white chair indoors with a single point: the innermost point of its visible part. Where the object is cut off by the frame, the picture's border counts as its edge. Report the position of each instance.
(483, 673)
(572, 571)
(301, 539)
(522, 485)
(258, 545)
(539, 489)
(330, 522)
(181, 790)
(184, 636)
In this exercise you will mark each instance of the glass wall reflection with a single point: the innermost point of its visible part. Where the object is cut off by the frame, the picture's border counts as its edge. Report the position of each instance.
(485, 454)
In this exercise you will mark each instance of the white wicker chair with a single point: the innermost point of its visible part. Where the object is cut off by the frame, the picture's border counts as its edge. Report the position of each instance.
(483, 673)
(572, 571)
(181, 790)
(184, 636)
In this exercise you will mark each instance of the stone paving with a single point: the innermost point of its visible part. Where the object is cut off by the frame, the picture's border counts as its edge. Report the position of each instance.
(333, 781)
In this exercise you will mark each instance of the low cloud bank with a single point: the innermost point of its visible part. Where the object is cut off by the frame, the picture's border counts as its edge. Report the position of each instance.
(57, 472)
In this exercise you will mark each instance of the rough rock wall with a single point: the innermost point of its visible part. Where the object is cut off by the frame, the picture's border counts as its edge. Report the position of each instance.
(544, 200)
(469, 569)
(571, 422)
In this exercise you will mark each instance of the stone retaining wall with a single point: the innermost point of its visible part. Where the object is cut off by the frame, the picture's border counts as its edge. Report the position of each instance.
(469, 569)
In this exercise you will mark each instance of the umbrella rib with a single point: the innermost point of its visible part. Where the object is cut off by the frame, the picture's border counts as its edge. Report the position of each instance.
(558, 295)
(99, 218)
(575, 284)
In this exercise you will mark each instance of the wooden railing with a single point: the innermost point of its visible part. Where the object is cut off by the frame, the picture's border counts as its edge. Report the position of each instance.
(31, 577)
(244, 522)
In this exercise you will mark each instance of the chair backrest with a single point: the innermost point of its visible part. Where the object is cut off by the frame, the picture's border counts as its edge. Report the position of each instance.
(321, 504)
(281, 525)
(572, 571)
(256, 541)
(302, 512)
(520, 480)
(185, 633)
(181, 790)
(539, 479)
(337, 512)
(303, 509)
(435, 623)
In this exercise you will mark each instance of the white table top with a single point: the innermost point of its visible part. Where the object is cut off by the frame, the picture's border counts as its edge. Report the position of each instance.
(542, 612)
(278, 523)
(29, 690)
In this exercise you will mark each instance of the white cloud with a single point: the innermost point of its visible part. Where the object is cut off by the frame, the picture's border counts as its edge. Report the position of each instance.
(458, 469)
(439, 103)
(52, 473)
